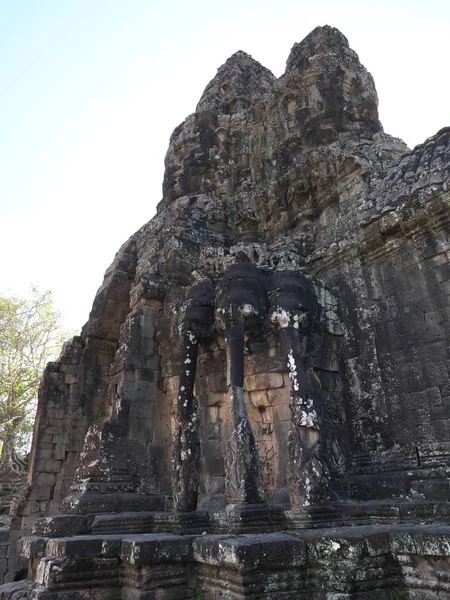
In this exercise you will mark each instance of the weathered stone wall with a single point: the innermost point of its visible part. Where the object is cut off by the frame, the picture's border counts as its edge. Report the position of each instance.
(297, 174)
(392, 275)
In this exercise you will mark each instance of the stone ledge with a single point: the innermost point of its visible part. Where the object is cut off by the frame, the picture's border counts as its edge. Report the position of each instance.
(155, 547)
(63, 525)
(250, 552)
(423, 540)
(341, 560)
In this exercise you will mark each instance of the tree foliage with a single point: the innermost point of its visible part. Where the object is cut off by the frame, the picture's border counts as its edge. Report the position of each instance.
(30, 336)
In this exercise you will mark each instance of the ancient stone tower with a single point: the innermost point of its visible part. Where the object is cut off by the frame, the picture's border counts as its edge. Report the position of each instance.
(259, 404)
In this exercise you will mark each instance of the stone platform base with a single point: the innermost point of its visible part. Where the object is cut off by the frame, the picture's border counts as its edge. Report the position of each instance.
(379, 562)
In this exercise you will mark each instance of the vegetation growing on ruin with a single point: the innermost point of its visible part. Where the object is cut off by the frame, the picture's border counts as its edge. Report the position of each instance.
(31, 336)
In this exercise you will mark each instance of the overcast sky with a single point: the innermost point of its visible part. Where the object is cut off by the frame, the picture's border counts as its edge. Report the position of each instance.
(93, 88)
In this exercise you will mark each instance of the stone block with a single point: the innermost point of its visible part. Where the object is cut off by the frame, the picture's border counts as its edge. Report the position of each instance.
(213, 414)
(127, 390)
(59, 451)
(417, 400)
(52, 465)
(402, 542)
(153, 363)
(32, 547)
(259, 398)
(278, 396)
(148, 549)
(216, 398)
(148, 326)
(141, 429)
(433, 543)
(263, 381)
(269, 365)
(148, 347)
(281, 413)
(217, 382)
(340, 548)
(62, 525)
(84, 546)
(213, 431)
(145, 375)
(44, 453)
(144, 391)
(441, 429)
(4, 535)
(253, 552)
(71, 378)
(39, 492)
(215, 484)
(141, 409)
(443, 272)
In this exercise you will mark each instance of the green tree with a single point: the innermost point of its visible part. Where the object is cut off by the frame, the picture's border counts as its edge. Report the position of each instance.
(30, 336)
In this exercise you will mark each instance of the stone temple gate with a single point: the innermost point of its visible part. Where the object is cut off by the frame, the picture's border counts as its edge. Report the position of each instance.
(259, 404)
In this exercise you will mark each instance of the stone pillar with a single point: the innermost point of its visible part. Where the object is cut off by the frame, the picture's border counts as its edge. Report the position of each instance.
(186, 452)
(292, 304)
(241, 308)
(243, 474)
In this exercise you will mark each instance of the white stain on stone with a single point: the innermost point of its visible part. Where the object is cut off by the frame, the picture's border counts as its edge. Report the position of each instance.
(192, 337)
(308, 419)
(280, 317)
(293, 371)
(335, 546)
(247, 310)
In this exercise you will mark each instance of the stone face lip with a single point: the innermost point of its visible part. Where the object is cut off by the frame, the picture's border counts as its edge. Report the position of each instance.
(236, 84)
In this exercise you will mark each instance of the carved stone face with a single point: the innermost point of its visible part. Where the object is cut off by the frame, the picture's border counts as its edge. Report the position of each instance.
(330, 92)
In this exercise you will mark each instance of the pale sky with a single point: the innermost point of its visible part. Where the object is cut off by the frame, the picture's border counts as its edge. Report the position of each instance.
(92, 90)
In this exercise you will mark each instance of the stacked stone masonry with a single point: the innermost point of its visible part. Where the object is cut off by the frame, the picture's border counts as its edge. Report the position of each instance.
(259, 404)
